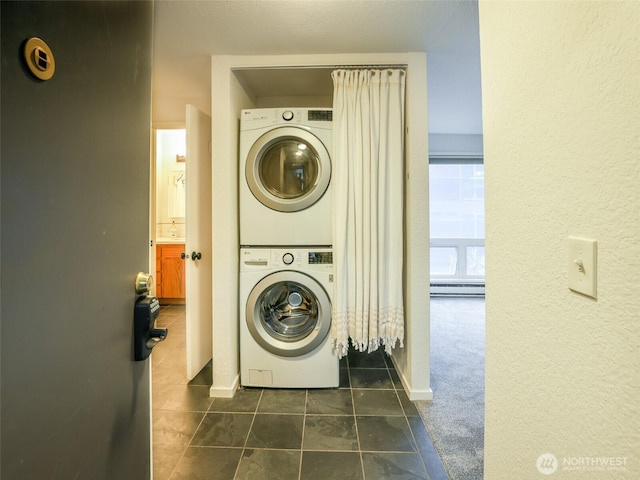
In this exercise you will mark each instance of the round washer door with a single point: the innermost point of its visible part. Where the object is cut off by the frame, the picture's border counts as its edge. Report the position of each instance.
(288, 169)
(288, 313)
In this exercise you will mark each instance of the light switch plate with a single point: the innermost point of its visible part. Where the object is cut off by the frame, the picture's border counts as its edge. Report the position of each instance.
(583, 262)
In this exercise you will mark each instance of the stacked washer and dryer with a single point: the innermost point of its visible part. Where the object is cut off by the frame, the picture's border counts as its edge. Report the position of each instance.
(286, 261)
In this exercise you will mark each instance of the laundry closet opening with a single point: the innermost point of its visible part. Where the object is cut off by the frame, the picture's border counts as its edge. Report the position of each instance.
(293, 83)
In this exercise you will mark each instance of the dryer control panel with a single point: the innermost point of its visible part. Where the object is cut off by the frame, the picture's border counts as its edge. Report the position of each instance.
(263, 117)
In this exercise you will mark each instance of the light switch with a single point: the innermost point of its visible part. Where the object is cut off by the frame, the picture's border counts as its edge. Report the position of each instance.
(583, 258)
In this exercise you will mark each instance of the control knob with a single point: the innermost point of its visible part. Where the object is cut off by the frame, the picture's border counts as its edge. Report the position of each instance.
(287, 258)
(287, 115)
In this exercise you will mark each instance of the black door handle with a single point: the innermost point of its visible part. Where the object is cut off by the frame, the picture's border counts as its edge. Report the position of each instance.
(183, 255)
(195, 256)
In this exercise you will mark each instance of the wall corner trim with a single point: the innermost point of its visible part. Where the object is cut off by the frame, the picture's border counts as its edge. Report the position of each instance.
(225, 391)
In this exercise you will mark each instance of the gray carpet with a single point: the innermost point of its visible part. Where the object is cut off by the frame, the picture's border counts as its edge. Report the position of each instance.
(455, 417)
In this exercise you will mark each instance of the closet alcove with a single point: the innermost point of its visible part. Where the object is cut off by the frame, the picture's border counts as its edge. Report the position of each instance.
(287, 86)
(277, 81)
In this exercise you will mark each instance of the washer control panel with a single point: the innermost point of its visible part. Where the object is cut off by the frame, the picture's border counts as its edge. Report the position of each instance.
(316, 259)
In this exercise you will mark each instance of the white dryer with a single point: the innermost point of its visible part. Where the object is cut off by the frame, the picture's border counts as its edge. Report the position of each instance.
(285, 318)
(284, 177)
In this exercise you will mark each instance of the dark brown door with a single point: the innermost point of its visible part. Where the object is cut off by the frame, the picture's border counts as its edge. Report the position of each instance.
(74, 233)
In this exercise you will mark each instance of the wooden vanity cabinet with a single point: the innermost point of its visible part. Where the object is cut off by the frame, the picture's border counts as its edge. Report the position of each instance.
(170, 273)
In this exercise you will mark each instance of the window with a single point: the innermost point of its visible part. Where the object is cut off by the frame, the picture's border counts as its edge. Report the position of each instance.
(456, 211)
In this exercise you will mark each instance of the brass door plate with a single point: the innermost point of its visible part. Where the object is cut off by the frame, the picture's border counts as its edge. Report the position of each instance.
(39, 58)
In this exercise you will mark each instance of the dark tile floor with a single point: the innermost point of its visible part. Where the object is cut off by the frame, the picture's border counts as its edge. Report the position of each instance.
(365, 429)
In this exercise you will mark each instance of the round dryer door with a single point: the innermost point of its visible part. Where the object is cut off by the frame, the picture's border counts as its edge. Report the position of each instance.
(288, 169)
(288, 313)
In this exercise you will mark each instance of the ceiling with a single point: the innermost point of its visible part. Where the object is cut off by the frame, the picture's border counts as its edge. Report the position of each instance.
(187, 33)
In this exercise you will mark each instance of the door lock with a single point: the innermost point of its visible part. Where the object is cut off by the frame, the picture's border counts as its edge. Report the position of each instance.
(145, 312)
(39, 58)
(145, 333)
(183, 255)
(144, 281)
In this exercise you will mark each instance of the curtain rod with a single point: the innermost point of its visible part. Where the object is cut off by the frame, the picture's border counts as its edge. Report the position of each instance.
(358, 67)
(402, 66)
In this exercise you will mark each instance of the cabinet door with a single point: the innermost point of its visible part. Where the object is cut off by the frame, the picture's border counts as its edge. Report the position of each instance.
(158, 276)
(172, 267)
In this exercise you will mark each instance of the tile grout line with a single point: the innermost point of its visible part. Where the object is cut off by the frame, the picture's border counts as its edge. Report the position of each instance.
(246, 440)
(406, 419)
(355, 419)
(186, 447)
(304, 424)
(184, 450)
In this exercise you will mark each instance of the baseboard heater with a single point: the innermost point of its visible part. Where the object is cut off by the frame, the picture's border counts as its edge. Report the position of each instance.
(457, 289)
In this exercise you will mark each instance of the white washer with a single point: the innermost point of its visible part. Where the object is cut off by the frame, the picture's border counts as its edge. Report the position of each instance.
(285, 318)
(284, 177)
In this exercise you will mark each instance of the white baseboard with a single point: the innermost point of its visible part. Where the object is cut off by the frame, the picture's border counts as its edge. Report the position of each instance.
(225, 391)
(413, 394)
(420, 395)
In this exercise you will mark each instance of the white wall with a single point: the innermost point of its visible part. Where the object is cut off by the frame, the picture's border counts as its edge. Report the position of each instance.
(561, 100)
(228, 97)
(413, 361)
(274, 102)
(179, 82)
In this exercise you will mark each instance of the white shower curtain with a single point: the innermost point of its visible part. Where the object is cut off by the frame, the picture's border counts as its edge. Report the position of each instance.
(368, 193)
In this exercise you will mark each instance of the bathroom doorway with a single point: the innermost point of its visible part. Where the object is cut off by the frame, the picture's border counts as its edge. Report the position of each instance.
(181, 243)
(168, 253)
(167, 258)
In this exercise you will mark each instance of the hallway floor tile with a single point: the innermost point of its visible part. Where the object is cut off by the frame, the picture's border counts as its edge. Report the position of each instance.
(367, 429)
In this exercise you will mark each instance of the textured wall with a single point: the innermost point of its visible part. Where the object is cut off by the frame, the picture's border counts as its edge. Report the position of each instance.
(227, 101)
(413, 361)
(561, 99)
